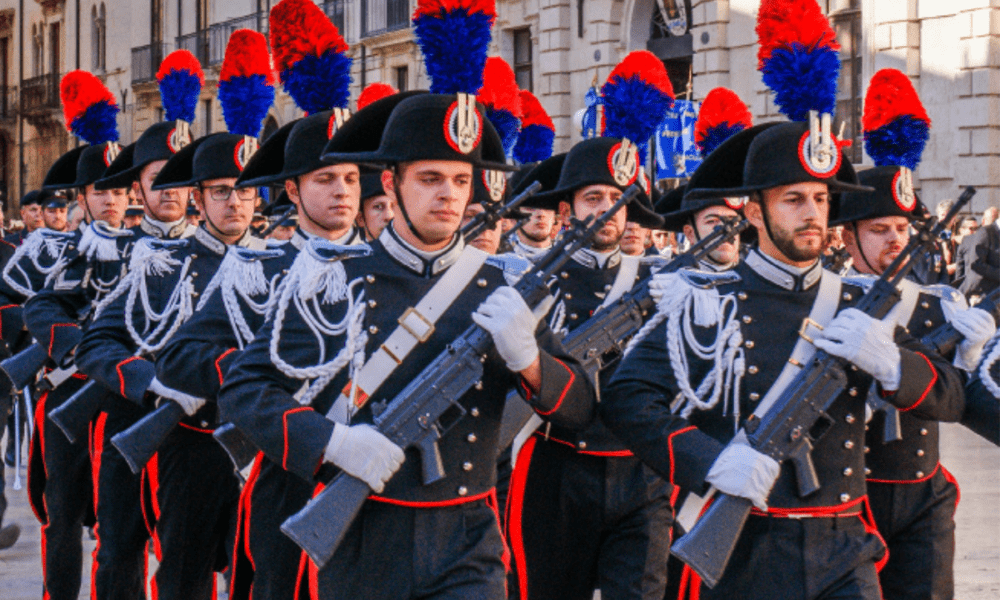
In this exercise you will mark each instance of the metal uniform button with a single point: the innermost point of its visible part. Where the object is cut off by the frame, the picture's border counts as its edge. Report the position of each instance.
(752, 369)
(852, 392)
(370, 278)
(925, 304)
(474, 411)
(478, 385)
(569, 296)
(466, 466)
(928, 323)
(847, 296)
(848, 472)
(607, 287)
(867, 471)
(481, 283)
(471, 438)
(573, 317)
(754, 396)
(581, 445)
(749, 344)
(564, 275)
(919, 474)
(742, 295)
(372, 304)
(850, 418)
(204, 423)
(845, 497)
(920, 452)
(848, 444)
(373, 330)
(923, 431)
(867, 449)
(747, 319)
(463, 491)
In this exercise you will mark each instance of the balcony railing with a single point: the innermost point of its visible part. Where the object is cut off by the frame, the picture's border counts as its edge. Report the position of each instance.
(41, 93)
(146, 61)
(383, 16)
(335, 10)
(219, 34)
(196, 43)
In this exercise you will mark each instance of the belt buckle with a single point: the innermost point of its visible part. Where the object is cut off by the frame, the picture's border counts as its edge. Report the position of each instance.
(806, 322)
(420, 337)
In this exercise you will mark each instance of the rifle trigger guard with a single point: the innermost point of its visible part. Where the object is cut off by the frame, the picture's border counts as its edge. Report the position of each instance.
(806, 322)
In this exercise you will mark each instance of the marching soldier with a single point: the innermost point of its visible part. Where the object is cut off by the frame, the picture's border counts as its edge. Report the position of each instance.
(533, 237)
(913, 497)
(136, 320)
(31, 216)
(982, 394)
(377, 208)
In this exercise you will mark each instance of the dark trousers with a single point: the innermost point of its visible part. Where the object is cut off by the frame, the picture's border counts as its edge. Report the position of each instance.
(577, 522)
(398, 552)
(120, 557)
(266, 561)
(830, 558)
(917, 521)
(197, 493)
(61, 494)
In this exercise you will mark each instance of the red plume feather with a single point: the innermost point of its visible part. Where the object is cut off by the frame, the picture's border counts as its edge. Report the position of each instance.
(300, 28)
(890, 96)
(534, 112)
(79, 90)
(373, 93)
(780, 23)
(499, 90)
(246, 55)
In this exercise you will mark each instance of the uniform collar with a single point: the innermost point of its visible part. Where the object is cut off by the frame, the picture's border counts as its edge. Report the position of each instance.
(163, 230)
(300, 238)
(598, 260)
(423, 263)
(711, 266)
(216, 245)
(524, 250)
(784, 276)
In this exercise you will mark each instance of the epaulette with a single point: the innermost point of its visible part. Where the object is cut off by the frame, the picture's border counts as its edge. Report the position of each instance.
(154, 256)
(708, 279)
(865, 282)
(318, 269)
(53, 244)
(100, 241)
(946, 293)
(271, 243)
(241, 276)
(512, 265)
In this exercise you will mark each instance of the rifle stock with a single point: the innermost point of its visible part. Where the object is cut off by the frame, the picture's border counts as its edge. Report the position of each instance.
(73, 416)
(239, 448)
(798, 417)
(139, 443)
(429, 405)
(21, 369)
(709, 557)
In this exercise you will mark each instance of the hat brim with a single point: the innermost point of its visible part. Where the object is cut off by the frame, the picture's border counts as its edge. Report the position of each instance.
(179, 172)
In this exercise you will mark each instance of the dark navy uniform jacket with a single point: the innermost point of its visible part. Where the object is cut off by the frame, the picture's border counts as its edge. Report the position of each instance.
(916, 455)
(982, 408)
(771, 303)
(583, 285)
(259, 398)
(107, 350)
(197, 357)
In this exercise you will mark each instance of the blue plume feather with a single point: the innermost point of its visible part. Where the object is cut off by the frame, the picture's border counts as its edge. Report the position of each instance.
(98, 124)
(900, 142)
(507, 126)
(454, 47)
(179, 91)
(245, 101)
(633, 109)
(319, 83)
(534, 144)
(714, 136)
(802, 79)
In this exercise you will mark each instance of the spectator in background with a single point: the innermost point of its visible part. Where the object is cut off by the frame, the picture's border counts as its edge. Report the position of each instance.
(31, 217)
(74, 217)
(981, 263)
(990, 215)
(133, 216)
(967, 226)
(193, 216)
(54, 213)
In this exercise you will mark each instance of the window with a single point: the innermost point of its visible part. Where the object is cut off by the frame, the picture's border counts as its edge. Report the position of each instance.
(55, 62)
(208, 116)
(579, 18)
(98, 38)
(846, 22)
(36, 51)
(522, 59)
(402, 78)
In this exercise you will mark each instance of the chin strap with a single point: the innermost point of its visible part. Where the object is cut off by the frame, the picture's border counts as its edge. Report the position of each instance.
(857, 242)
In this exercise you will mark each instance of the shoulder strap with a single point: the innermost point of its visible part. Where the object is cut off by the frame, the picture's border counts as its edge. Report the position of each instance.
(823, 311)
(627, 270)
(416, 325)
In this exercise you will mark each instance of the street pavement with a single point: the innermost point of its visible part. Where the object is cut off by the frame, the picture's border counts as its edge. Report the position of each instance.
(974, 462)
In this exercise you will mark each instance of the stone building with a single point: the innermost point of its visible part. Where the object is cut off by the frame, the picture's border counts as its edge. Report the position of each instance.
(950, 49)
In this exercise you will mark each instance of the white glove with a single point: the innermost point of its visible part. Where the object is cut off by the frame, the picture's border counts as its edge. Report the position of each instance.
(978, 327)
(512, 324)
(363, 452)
(189, 403)
(742, 471)
(868, 343)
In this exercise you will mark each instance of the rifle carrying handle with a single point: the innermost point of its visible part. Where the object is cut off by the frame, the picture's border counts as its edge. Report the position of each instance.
(709, 545)
(320, 527)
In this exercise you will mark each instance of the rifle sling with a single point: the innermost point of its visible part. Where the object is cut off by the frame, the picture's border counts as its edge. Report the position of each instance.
(624, 280)
(416, 325)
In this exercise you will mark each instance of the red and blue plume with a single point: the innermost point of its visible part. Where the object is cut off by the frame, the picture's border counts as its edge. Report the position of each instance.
(454, 36)
(181, 80)
(798, 57)
(246, 83)
(500, 96)
(310, 56)
(636, 98)
(374, 92)
(89, 107)
(896, 126)
(534, 143)
(722, 115)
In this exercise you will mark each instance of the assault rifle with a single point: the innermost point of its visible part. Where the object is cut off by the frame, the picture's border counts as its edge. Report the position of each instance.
(796, 420)
(429, 406)
(494, 212)
(942, 340)
(599, 341)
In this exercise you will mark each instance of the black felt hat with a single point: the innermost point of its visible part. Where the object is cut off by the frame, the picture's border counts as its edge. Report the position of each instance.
(428, 127)
(371, 185)
(32, 197)
(217, 156)
(489, 187)
(278, 206)
(545, 172)
(893, 196)
(160, 142)
(608, 161)
(81, 166)
(781, 155)
(134, 211)
(269, 160)
(54, 200)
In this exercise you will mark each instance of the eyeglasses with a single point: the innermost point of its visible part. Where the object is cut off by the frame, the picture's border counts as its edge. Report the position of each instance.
(221, 193)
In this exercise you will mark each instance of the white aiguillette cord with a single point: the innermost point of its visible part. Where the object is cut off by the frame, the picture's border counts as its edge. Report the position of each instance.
(416, 325)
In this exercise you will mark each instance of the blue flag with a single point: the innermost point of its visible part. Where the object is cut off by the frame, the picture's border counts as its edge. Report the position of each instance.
(676, 153)
(590, 123)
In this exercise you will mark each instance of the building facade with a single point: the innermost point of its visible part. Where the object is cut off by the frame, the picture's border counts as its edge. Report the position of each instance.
(558, 48)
